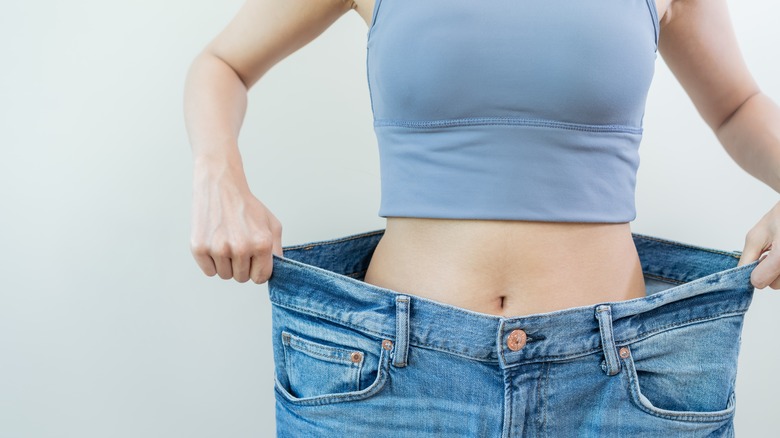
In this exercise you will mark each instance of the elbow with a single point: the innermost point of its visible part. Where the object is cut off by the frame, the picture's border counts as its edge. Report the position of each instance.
(209, 59)
(723, 120)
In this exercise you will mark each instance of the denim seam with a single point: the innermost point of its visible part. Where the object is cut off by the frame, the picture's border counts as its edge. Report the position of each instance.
(301, 345)
(539, 123)
(542, 395)
(358, 372)
(684, 245)
(666, 279)
(331, 319)
(604, 317)
(507, 427)
(647, 334)
(332, 241)
(401, 331)
(700, 417)
(325, 399)
(621, 342)
(393, 293)
(371, 332)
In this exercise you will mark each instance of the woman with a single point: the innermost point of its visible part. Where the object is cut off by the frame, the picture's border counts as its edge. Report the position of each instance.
(450, 322)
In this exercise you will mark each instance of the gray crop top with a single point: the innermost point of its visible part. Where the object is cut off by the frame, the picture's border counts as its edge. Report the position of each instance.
(510, 109)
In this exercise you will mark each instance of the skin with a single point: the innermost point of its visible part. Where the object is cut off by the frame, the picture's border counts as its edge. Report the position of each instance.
(508, 268)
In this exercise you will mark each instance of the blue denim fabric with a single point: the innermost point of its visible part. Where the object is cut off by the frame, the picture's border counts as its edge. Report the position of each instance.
(355, 359)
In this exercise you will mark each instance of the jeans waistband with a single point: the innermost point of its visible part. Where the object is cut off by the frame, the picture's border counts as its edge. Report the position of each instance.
(693, 283)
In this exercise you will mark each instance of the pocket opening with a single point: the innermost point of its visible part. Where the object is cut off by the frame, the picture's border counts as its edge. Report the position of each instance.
(337, 393)
(641, 401)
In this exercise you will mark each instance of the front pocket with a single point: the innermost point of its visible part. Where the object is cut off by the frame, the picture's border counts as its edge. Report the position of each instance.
(314, 368)
(315, 372)
(685, 373)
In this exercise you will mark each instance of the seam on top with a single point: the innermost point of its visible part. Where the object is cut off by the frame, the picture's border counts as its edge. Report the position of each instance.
(543, 123)
(656, 21)
(374, 13)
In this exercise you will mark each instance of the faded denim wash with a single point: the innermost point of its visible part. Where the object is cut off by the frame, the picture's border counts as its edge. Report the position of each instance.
(354, 359)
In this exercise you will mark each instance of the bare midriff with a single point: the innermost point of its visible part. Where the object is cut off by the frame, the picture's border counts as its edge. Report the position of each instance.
(508, 267)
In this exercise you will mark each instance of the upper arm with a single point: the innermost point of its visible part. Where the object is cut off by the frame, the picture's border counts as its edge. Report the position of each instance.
(264, 32)
(698, 44)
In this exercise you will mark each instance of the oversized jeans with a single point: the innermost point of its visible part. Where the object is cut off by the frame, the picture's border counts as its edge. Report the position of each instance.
(357, 360)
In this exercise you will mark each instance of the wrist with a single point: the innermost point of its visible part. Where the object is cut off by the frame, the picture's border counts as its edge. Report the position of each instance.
(219, 169)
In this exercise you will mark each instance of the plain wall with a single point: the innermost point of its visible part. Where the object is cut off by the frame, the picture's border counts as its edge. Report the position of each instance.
(107, 326)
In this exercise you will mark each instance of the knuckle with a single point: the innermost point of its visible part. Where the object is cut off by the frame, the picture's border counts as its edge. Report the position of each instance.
(241, 250)
(223, 250)
(199, 248)
(262, 242)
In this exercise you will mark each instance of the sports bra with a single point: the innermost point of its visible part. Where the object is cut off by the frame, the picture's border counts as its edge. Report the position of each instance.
(510, 109)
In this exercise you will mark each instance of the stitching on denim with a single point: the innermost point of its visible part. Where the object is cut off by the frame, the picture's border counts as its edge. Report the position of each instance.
(394, 293)
(508, 411)
(540, 123)
(502, 356)
(685, 245)
(666, 279)
(542, 395)
(358, 372)
(306, 346)
(374, 388)
(666, 328)
(634, 389)
(383, 335)
(333, 241)
(453, 352)
(357, 274)
(331, 319)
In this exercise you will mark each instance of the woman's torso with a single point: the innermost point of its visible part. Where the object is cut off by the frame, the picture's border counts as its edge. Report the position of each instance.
(507, 267)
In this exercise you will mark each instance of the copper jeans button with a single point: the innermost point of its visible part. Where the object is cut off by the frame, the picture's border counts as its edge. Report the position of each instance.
(516, 340)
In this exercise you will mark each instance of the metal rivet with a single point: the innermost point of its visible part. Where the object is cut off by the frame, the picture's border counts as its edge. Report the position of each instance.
(356, 356)
(387, 344)
(624, 352)
(516, 340)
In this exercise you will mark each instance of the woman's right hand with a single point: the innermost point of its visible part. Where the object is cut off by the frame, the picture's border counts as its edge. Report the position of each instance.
(233, 233)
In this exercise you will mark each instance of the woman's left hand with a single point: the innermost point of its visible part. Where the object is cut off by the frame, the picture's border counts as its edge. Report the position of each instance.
(759, 239)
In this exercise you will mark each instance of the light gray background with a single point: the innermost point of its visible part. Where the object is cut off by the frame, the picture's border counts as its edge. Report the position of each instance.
(107, 326)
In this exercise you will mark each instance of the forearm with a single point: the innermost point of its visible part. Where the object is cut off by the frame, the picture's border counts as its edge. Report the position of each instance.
(215, 102)
(752, 138)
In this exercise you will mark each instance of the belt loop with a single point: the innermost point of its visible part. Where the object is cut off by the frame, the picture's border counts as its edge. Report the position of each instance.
(401, 331)
(604, 315)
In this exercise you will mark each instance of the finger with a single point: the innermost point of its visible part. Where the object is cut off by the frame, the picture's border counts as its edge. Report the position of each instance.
(277, 246)
(755, 244)
(256, 268)
(206, 264)
(241, 266)
(767, 270)
(775, 284)
(203, 259)
(224, 266)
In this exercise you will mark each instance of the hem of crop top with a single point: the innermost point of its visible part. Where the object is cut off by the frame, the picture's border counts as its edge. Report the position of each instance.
(544, 123)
